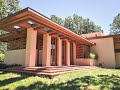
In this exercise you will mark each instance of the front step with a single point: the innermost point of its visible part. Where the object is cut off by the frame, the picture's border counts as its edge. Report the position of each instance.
(48, 71)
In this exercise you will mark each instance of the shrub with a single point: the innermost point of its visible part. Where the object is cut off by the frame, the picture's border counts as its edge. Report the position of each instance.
(93, 56)
(4, 66)
(2, 56)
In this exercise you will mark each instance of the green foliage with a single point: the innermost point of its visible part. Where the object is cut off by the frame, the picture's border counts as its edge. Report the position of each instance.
(7, 7)
(2, 56)
(97, 79)
(57, 20)
(77, 24)
(115, 26)
(4, 66)
(93, 55)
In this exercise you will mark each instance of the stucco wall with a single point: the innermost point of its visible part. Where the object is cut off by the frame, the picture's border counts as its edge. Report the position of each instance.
(104, 48)
(85, 62)
(18, 57)
(117, 56)
(15, 57)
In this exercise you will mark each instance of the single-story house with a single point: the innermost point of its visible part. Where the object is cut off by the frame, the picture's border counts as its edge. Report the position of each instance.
(34, 40)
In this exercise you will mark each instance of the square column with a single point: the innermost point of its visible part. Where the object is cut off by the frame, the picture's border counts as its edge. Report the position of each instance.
(46, 50)
(30, 58)
(59, 51)
(74, 53)
(67, 53)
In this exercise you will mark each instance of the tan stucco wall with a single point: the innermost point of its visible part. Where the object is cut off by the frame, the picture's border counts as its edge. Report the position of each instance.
(117, 56)
(15, 57)
(104, 48)
(18, 57)
(85, 62)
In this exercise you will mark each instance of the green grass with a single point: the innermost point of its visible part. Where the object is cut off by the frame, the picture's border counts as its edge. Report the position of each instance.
(99, 79)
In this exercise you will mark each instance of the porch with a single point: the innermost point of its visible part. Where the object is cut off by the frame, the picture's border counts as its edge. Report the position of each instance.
(50, 72)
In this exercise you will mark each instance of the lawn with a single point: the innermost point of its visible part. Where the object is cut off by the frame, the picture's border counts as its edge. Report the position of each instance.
(98, 79)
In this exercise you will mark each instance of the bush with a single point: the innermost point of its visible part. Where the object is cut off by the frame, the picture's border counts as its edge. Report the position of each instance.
(2, 56)
(4, 66)
(93, 55)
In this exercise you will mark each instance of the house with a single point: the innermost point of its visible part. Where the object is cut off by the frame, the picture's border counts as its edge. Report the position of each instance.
(107, 48)
(34, 40)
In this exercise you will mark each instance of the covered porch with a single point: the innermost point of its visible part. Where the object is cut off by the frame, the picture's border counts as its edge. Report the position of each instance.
(34, 40)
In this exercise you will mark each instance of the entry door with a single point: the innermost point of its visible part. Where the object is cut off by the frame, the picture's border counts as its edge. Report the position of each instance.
(53, 51)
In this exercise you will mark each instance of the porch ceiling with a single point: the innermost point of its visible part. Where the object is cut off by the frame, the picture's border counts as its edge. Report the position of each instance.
(40, 21)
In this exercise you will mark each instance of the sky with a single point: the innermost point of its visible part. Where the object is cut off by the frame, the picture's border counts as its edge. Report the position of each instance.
(101, 12)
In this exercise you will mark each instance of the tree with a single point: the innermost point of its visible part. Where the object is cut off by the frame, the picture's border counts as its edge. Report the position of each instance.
(68, 23)
(7, 7)
(57, 20)
(77, 24)
(115, 26)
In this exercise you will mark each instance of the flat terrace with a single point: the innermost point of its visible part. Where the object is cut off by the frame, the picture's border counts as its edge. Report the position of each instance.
(50, 72)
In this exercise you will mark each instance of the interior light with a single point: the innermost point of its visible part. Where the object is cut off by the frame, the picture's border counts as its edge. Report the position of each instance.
(16, 27)
(30, 22)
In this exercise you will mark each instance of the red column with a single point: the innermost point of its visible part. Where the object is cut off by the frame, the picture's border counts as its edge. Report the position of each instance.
(46, 50)
(74, 53)
(67, 53)
(30, 58)
(59, 51)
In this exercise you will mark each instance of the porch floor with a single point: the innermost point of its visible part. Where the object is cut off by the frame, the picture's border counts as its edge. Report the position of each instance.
(50, 72)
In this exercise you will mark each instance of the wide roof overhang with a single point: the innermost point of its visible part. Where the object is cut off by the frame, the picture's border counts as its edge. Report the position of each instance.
(22, 17)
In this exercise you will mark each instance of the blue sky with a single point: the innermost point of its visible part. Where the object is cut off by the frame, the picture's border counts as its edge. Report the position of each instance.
(101, 12)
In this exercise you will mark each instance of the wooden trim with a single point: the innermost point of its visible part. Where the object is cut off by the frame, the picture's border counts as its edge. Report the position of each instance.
(9, 36)
(53, 33)
(42, 20)
(117, 50)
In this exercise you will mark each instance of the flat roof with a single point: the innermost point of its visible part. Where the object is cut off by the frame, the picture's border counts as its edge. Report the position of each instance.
(26, 14)
(107, 36)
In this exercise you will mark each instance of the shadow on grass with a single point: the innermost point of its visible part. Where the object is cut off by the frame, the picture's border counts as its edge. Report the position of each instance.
(83, 83)
(103, 81)
(11, 80)
(3, 72)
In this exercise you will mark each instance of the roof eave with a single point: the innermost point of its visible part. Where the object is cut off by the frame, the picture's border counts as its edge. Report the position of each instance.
(64, 30)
